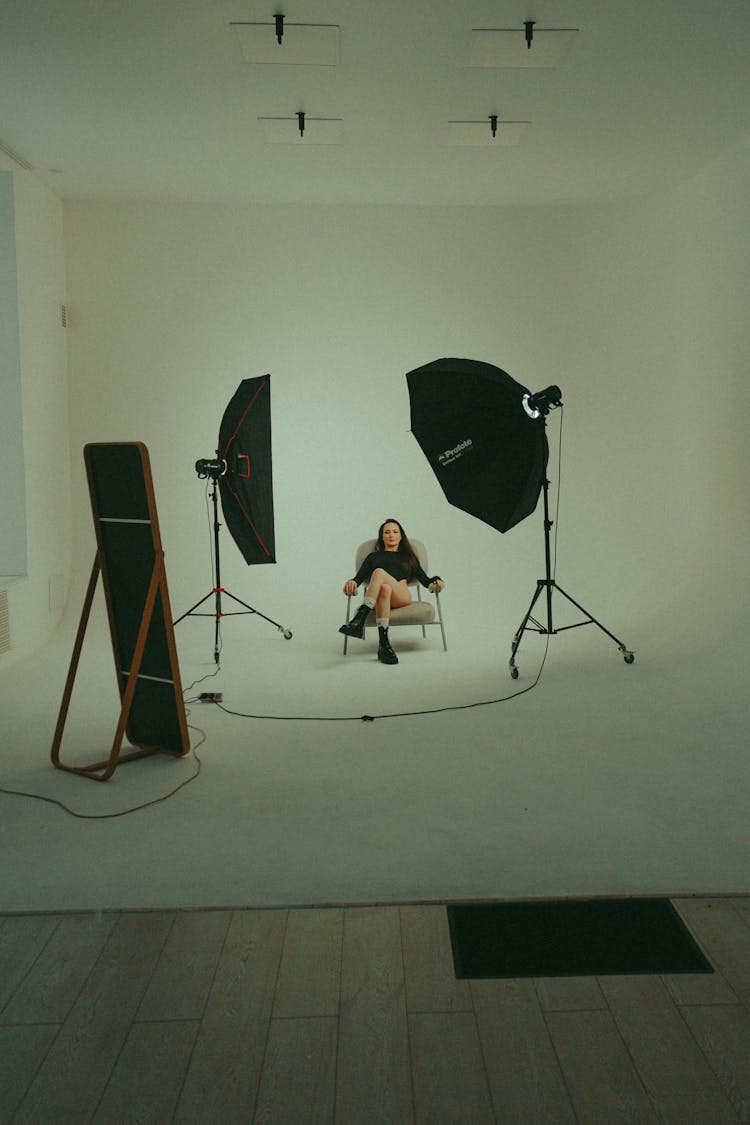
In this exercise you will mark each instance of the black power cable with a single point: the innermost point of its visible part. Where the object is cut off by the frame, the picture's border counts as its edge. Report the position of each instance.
(123, 812)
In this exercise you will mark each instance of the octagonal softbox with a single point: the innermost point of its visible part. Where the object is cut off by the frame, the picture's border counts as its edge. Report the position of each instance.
(488, 454)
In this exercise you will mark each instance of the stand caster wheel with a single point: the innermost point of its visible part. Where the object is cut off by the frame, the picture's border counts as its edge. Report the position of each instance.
(288, 634)
(628, 656)
(514, 671)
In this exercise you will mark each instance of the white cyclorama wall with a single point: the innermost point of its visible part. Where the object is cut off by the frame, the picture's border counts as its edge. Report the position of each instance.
(635, 311)
(36, 601)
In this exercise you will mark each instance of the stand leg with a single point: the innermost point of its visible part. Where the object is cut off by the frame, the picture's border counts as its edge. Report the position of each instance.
(522, 628)
(249, 609)
(628, 655)
(193, 608)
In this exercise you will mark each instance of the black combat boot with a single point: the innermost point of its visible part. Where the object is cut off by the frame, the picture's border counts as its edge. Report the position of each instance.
(386, 655)
(356, 627)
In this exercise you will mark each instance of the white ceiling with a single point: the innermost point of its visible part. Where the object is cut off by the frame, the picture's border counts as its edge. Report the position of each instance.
(151, 99)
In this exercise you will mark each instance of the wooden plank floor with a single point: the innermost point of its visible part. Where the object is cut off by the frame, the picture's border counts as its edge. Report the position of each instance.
(354, 1015)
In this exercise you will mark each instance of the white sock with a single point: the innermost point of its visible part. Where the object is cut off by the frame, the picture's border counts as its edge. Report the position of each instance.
(370, 603)
(382, 622)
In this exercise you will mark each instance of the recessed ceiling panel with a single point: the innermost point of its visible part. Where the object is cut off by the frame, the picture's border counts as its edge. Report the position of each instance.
(479, 133)
(317, 131)
(302, 44)
(508, 47)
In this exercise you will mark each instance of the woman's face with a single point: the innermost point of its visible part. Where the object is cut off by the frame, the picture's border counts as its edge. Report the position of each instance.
(391, 536)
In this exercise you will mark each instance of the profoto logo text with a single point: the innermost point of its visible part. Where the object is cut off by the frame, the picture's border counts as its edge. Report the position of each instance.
(451, 455)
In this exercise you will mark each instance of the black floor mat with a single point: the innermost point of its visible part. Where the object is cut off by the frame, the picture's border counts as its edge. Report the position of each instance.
(570, 937)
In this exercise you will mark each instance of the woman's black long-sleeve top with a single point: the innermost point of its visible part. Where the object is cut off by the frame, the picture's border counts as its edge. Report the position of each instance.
(392, 562)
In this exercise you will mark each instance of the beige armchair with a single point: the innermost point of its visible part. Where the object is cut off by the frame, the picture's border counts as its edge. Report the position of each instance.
(422, 611)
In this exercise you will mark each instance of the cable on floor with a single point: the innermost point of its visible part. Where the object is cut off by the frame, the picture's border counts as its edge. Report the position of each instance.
(123, 812)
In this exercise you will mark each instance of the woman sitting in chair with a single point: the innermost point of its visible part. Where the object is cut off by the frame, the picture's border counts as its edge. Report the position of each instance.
(387, 571)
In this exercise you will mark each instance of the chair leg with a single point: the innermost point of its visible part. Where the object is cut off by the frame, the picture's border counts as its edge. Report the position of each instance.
(348, 608)
(440, 619)
(419, 598)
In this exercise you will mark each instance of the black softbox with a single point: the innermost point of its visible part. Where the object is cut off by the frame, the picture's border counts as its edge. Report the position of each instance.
(487, 451)
(247, 484)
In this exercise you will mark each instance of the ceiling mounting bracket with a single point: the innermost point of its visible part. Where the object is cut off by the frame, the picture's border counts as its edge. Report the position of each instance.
(528, 28)
(279, 21)
(493, 124)
(301, 122)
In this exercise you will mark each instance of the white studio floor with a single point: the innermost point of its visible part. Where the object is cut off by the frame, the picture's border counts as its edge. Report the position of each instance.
(604, 779)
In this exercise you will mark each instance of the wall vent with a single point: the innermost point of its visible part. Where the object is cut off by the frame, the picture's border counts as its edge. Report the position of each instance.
(4, 622)
(64, 315)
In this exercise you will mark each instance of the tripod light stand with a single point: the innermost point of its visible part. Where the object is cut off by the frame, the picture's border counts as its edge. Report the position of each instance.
(539, 406)
(484, 435)
(242, 470)
(213, 470)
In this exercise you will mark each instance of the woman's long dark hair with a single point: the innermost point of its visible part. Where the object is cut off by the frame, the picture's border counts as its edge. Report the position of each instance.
(405, 550)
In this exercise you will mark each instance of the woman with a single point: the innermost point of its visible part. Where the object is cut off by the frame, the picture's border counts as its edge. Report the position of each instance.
(387, 571)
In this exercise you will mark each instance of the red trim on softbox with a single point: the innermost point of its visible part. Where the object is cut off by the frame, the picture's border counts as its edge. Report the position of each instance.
(244, 415)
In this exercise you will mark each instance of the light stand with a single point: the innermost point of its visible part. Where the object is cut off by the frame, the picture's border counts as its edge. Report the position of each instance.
(536, 405)
(214, 470)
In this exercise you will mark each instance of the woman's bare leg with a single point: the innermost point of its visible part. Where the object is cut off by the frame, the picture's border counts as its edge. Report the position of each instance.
(399, 591)
(383, 604)
(383, 593)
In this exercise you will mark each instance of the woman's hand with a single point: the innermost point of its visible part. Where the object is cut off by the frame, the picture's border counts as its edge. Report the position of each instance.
(438, 584)
(350, 587)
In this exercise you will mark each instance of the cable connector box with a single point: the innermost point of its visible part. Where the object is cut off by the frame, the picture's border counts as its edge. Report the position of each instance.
(211, 697)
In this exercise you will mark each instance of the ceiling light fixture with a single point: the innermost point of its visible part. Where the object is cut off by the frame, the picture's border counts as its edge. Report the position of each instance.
(511, 47)
(476, 133)
(303, 130)
(283, 43)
